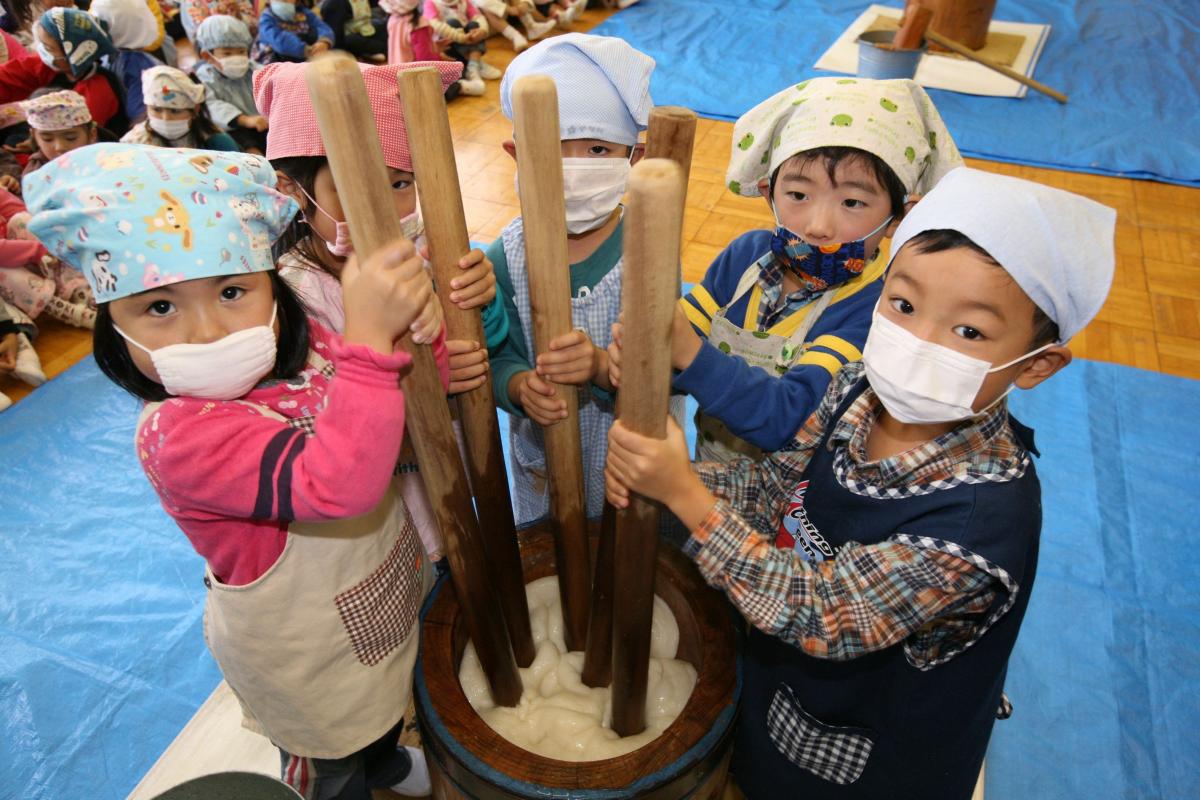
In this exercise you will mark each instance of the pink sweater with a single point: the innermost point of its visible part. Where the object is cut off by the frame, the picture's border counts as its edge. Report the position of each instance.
(233, 479)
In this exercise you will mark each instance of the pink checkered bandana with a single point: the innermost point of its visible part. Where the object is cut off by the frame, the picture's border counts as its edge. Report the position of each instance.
(281, 94)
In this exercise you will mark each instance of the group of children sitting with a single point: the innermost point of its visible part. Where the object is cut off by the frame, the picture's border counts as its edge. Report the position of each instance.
(861, 493)
(108, 73)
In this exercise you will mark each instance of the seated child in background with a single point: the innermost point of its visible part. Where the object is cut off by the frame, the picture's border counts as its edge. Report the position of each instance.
(17, 356)
(459, 26)
(603, 103)
(313, 583)
(196, 11)
(290, 33)
(311, 253)
(176, 114)
(780, 312)
(59, 122)
(30, 278)
(228, 77)
(885, 557)
(131, 27)
(359, 27)
(70, 46)
(499, 12)
(411, 39)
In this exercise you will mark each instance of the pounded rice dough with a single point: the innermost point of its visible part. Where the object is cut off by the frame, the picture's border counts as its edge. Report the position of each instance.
(559, 717)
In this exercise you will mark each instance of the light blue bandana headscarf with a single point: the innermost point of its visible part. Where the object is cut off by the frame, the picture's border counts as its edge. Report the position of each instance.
(136, 217)
(603, 85)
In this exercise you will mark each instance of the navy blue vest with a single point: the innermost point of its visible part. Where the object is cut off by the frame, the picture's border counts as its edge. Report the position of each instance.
(876, 726)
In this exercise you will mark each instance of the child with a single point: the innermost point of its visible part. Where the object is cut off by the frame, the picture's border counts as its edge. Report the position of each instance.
(290, 33)
(131, 27)
(462, 29)
(312, 252)
(411, 39)
(196, 11)
(498, 12)
(603, 103)
(254, 438)
(228, 77)
(59, 122)
(886, 556)
(779, 312)
(30, 278)
(176, 114)
(358, 28)
(70, 46)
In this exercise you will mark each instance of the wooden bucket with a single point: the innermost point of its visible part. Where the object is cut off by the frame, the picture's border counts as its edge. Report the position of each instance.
(468, 759)
(964, 21)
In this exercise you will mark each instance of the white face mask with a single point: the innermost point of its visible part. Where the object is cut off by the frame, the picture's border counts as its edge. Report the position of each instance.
(592, 189)
(920, 382)
(234, 67)
(44, 54)
(222, 370)
(170, 129)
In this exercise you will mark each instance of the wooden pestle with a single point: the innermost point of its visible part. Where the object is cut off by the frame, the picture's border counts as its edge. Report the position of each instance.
(912, 27)
(543, 210)
(446, 231)
(653, 222)
(671, 134)
(339, 98)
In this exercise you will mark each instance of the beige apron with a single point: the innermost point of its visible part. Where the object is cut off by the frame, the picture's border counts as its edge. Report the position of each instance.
(774, 353)
(320, 649)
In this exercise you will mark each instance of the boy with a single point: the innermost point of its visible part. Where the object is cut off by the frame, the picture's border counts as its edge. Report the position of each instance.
(603, 103)
(905, 515)
(228, 76)
(779, 312)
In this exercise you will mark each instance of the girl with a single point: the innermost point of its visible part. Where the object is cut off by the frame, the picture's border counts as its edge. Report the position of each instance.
(461, 30)
(59, 122)
(411, 39)
(132, 28)
(228, 77)
(312, 253)
(176, 114)
(271, 442)
(288, 33)
(70, 48)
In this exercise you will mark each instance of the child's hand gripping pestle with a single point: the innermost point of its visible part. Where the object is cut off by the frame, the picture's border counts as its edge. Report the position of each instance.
(348, 128)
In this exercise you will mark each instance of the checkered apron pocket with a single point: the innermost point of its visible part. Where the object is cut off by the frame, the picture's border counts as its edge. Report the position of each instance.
(380, 612)
(838, 755)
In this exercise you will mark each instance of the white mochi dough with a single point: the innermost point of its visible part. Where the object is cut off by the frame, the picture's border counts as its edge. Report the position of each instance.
(559, 717)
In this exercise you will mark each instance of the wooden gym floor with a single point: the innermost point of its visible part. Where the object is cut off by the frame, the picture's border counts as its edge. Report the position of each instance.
(1151, 319)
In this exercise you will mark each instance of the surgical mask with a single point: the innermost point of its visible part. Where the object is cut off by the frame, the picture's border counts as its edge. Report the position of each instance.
(920, 382)
(44, 54)
(170, 129)
(412, 226)
(341, 246)
(222, 370)
(285, 11)
(592, 189)
(820, 266)
(234, 67)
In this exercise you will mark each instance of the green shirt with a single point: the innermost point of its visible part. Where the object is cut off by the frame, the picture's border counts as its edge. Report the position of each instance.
(512, 356)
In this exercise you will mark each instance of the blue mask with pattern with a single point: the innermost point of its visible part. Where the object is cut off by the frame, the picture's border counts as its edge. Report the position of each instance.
(818, 267)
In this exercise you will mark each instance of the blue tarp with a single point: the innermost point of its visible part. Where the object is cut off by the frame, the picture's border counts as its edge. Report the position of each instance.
(102, 660)
(1129, 70)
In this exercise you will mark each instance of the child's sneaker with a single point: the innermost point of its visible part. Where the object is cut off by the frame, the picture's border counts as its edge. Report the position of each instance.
(488, 72)
(5, 402)
(471, 83)
(29, 366)
(519, 42)
(417, 783)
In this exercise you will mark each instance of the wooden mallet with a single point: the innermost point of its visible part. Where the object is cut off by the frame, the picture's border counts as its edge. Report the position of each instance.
(653, 221)
(339, 98)
(543, 210)
(446, 231)
(671, 134)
